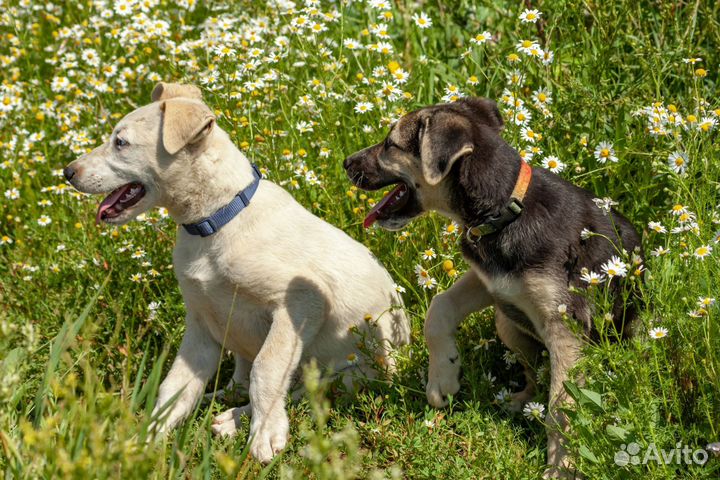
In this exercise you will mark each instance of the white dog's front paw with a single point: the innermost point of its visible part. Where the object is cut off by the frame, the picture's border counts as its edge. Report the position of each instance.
(442, 380)
(268, 436)
(227, 422)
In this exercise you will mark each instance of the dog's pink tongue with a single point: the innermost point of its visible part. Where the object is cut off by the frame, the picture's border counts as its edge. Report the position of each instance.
(373, 215)
(109, 201)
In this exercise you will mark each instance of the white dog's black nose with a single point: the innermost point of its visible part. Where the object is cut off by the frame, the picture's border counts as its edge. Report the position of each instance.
(69, 172)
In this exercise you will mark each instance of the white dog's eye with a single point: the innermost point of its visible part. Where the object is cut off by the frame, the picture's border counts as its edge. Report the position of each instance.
(119, 142)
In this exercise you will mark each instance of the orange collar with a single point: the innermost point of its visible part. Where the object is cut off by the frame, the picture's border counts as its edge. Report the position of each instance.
(523, 181)
(512, 210)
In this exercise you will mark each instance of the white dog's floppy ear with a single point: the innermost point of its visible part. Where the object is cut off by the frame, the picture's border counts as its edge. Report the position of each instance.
(185, 122)
(443, 141)
(164, 91)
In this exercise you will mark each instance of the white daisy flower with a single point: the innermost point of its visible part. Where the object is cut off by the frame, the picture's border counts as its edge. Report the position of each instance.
(534, 410)
(658, 332)
(553, 164)
(614, 268)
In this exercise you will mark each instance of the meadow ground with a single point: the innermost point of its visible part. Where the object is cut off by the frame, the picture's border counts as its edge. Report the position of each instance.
(618, 97)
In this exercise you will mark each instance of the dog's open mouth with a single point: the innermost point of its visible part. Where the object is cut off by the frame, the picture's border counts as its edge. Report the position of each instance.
(390, 203)
(119, 200)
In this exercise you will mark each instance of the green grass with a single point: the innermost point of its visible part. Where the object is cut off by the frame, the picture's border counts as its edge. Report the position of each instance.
(82, 354)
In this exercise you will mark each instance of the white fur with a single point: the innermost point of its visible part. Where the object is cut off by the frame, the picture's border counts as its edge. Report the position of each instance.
(276, 286)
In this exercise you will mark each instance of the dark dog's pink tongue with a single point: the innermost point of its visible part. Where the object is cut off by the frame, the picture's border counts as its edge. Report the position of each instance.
(387, 201)
(110, 200)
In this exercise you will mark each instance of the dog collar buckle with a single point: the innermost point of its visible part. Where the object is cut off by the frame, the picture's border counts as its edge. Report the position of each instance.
(512, 210)
(515, 206)
(478, 231)
(497, 222)
(204, 228)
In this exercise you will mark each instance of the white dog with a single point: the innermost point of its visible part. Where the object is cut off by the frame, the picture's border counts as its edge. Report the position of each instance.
(271, 283)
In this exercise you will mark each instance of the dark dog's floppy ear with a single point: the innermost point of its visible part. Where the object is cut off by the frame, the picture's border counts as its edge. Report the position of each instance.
(164, 91)
(485, 111)
(444, 138)
(185, 122)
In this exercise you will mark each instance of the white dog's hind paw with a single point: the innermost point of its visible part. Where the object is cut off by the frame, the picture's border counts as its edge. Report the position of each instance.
(270, 439)
(442, 381)
(227, 422)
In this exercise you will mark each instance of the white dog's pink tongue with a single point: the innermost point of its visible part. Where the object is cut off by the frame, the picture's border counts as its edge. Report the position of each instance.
(109, 201)
(388, 200)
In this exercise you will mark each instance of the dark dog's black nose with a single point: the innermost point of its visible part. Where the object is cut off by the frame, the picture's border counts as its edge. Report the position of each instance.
(69, 172)
(348, 161)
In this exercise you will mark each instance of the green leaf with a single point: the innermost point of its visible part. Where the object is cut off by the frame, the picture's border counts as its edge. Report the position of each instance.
(587, 454)
(572, 390)
(617, 432)
(592, 397)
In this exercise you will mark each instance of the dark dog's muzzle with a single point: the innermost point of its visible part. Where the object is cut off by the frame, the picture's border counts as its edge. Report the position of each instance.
(363, 170)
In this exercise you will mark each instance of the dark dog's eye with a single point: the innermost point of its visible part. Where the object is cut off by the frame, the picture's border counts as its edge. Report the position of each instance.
(119, 142)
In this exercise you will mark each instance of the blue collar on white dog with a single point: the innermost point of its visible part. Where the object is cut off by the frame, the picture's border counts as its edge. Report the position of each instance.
(217, 220)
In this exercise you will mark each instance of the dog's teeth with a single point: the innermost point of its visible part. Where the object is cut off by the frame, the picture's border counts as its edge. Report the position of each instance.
(134, 191)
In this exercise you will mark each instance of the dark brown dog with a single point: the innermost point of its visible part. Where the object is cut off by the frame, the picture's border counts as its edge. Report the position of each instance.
(523, 243)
